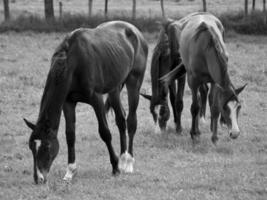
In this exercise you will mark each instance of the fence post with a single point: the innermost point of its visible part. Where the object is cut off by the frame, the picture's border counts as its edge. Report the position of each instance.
(106, 9)
(6, 10)
(49, 10)
(134, 10)
(264, 6)
(253, 4)
(90, 6)
(246, 8)
(162, 9)
(60, 9)
(204, 5)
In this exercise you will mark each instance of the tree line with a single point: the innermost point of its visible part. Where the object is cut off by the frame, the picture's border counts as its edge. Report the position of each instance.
(49, 8)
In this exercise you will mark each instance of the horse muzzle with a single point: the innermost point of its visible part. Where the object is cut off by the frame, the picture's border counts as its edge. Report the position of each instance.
(234, 134)
(41, 177)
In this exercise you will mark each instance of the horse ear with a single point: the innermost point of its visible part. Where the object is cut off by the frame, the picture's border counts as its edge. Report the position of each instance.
(239, 90)
(29, 124)
(146, 96)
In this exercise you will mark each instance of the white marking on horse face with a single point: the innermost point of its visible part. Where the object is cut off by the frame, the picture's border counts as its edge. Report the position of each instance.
(38, 144)
(40, 175)
(233, 105)
(157, 108)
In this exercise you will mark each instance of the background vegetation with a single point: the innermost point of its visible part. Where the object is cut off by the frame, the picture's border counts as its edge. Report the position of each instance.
(51, 16)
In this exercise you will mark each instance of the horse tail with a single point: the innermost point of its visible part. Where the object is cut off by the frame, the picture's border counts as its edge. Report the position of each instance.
(217, 38)
(177, 72)
(62, 50)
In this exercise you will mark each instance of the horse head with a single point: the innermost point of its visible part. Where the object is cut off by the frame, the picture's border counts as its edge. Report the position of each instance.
(230, 108)
(160, 65)
(44, 145)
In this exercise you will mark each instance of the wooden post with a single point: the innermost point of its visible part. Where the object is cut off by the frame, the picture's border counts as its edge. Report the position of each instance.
(264, 6)
(134, 10)
(106, 9)
(204, 5)
(246, 8)
(49, 10)
(60, 9)
(6, 10)
(90, 6)
(253, 4)
(162, 8)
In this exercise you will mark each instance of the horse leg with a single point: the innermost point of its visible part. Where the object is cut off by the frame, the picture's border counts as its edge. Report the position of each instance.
(121, 123)
(69, 113)
(133, 85)
(195, 106)
(97, 102)
(203, 89)
(172, 89)
(179, 103)
(164, 111)
(214, 110)
(164, 115)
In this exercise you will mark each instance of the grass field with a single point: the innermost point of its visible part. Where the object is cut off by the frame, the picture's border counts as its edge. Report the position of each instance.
(167, 166)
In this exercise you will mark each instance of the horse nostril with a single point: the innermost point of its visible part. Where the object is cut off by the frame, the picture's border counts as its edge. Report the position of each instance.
(41, 179)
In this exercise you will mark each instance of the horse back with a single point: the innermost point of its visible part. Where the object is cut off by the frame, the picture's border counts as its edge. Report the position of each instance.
(104, 57)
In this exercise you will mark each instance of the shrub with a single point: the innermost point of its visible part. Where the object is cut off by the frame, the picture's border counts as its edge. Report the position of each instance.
(254, 23)
(70, 22)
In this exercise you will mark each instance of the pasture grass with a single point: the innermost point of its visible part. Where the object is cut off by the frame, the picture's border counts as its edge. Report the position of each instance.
(167, 165)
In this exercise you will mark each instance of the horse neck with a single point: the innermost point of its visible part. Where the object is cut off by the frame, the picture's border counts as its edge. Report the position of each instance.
(52, 102)
(218, 69)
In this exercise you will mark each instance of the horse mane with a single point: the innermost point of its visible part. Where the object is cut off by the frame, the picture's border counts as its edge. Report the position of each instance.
(55, 74)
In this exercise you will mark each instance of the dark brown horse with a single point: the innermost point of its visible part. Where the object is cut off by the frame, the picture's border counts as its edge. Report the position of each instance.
(165, 58)
(199, 38)
(86, 65)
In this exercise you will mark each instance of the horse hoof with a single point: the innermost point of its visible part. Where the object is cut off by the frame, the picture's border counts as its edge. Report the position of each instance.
(214, 140)
(71, 172)
(179, 130)
(122, 161)
(116, 172)
(196, 139)
(126, 162)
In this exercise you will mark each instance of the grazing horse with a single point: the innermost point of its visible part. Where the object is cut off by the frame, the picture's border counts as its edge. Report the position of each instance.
(86, 65)
(199, 38)
(164, 59)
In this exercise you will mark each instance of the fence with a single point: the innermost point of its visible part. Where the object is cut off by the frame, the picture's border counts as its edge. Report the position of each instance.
(146, 8)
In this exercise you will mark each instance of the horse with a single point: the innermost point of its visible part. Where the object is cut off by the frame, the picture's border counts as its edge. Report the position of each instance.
(164, 59)
(199, 38)
(87, 64)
